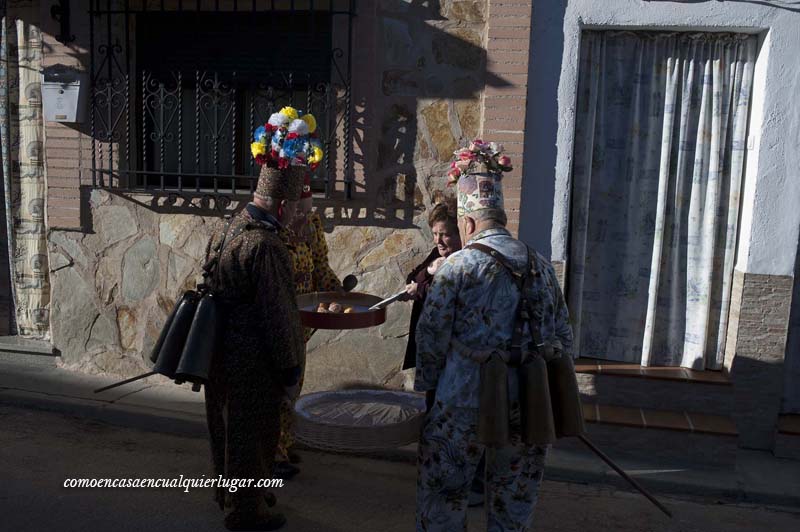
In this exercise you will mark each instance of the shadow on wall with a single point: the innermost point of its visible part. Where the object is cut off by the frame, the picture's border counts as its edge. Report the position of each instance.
(418, 68)
(423, 102)
(541, 153)
(791, 382)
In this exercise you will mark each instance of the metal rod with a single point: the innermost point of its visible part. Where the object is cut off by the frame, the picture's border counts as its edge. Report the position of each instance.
(110, 123)
(233, 135)
(128, 129)
(144, 124)
(348, 97)
(624, 475)
(197, 122)
(161, 130)
(126, 381)
(93, 88)
(252, 99)
(180, 131)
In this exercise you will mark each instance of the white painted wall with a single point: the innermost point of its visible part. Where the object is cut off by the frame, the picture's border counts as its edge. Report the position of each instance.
(770, 218)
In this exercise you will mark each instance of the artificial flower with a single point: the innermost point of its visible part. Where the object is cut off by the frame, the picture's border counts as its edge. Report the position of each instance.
(278, 120)
(454, 174)
(316, 155)
(463, 165)
(258, 148)
(288, 139)
(290, 112)
(260, 134)
(299, 127)
(478, 152)
(311, 122)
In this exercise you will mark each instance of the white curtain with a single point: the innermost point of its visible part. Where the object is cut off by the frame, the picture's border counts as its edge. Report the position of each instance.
(660, 142)
(23, 172)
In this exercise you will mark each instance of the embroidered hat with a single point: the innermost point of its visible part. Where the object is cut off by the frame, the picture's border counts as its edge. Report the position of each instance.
(280, 184)
(477, 171)
(480, 191)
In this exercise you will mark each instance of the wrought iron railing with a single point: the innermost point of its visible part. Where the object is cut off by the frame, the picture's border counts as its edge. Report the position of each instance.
(185, 132)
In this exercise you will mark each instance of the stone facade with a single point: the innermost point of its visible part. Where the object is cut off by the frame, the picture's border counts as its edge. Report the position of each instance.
(113, 288)
(118, 262)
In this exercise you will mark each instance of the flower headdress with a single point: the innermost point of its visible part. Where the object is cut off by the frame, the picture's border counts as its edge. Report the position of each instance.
(468, 160)
(289, 138)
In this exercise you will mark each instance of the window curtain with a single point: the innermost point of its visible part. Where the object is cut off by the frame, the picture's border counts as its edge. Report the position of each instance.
(660, 143)
(21, 133)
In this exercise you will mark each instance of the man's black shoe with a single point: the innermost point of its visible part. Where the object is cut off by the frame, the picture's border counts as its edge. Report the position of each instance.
(294, 458)
(239, 522)
(285, 470)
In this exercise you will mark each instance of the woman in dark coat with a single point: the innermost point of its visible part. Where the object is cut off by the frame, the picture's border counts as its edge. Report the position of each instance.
(444, 226)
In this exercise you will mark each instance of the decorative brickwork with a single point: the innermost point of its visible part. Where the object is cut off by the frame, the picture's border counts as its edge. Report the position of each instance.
(507, 52)
(67, 146)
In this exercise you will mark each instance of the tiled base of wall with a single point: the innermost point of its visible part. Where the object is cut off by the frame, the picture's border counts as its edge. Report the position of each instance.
(755, 349)
(561, 270)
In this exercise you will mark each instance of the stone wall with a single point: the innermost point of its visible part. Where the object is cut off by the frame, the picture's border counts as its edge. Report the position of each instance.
(113, 288)
(429, 61)
(119, 262)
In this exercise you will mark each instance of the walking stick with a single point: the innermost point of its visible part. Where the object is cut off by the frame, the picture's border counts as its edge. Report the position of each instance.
(624, 475)
(126, 381)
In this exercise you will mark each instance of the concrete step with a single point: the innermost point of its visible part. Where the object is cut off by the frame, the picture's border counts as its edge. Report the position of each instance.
(674, 389)
(787, 440)
(646, 418)
(666, 450)
(26, 346)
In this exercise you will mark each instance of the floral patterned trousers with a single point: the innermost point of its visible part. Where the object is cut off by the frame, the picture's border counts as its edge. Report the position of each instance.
(449, 453)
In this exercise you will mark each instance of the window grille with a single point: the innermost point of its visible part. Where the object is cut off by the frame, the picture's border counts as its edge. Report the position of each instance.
(178, 88)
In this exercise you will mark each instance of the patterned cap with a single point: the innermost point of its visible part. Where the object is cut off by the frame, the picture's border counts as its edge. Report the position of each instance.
(280, 184)
(480, 191)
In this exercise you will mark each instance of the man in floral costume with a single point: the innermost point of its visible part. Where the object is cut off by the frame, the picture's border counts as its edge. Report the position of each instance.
(305, 240)
(471, 309)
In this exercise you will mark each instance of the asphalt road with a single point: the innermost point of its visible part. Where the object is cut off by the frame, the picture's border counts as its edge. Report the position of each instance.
(333, 493)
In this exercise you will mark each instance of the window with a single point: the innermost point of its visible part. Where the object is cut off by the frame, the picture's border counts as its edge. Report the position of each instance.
(174, 108)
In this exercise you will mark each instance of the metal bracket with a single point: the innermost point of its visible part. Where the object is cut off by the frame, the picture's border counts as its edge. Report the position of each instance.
(61, 14)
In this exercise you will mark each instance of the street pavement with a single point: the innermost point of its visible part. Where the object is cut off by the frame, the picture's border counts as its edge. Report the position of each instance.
(53, 427)
(333, 493)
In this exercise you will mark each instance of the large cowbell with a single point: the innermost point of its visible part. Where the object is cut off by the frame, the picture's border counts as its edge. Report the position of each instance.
(184, 349)
(201, 342)
(168, 349)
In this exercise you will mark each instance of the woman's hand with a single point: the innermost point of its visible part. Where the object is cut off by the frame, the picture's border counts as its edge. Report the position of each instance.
(411, 290)
(435, 265)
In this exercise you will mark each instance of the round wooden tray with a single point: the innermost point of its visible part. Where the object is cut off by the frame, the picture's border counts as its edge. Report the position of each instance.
(362, 318)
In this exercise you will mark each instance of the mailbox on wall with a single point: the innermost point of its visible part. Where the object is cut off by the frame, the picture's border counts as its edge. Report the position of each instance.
(64, 93)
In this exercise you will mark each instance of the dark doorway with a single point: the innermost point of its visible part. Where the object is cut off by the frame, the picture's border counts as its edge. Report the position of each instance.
(6, 301)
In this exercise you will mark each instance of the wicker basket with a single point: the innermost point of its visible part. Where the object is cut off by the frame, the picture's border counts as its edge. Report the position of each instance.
(359, 420)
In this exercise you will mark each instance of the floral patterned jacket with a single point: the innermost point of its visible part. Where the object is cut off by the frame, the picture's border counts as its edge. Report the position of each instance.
(472, 302)
(309, 254)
